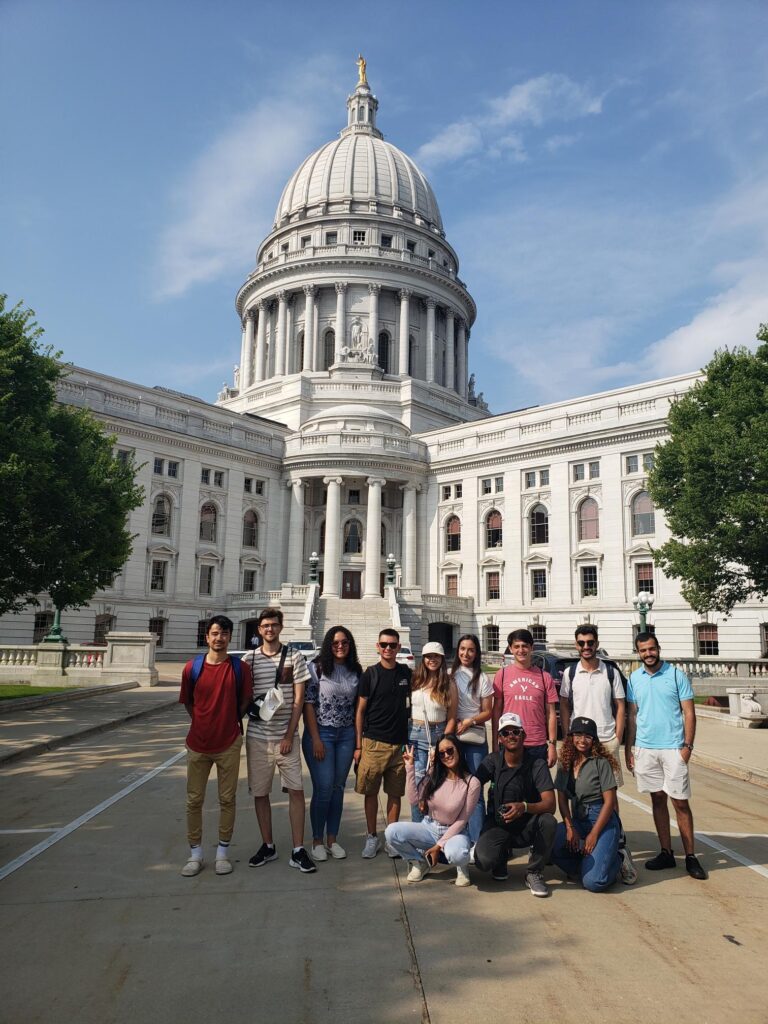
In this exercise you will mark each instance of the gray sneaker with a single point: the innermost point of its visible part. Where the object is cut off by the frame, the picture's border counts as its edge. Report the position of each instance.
(628, 871)
(536, 884)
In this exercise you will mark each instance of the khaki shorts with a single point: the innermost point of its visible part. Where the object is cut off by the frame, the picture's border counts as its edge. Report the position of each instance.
(657, 770)
(263, 756)
(614, 749)
(380, 761)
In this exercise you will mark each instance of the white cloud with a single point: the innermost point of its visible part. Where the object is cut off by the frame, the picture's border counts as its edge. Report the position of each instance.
(557, 142)
(226, 201)
(452, 143)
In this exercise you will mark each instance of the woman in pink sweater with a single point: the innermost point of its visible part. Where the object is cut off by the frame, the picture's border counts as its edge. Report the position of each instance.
(446, 796)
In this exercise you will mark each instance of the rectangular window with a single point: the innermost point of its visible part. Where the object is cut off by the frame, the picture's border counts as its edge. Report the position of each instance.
(102, 626)
(202, 629)
(206, 579)
(648, 461)
(491, 638)
(530, 480)
(284, 247)
(205, 476)
(386, 241)
(43, 622)
(499, 484)
(578, 472)
(259, 487)
(485, 486)
(410, 246)
(538, 583)
(447, 492)
(594, 470)
(493, 586)
(306, 241)
(159, 465)
(458, 490)
(249, 580)
(158, 576)
(644, 577)
(123, 455)
(632, 464)
(589, 581)
(544, 478)
(358, 238)
(452, 586)
(218, 478)
(331, 237)
(431, 253)
(764, 639)
(248, 485)
(539, 634)
(173, 469)
(354, 498)
(707, 643)
(157, 626)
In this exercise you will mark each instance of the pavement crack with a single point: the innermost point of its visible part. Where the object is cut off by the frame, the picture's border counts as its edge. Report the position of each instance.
(415, 969)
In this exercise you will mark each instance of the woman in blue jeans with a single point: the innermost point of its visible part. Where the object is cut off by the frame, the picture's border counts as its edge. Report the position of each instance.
(587, 840)
(434, 701)
(475, 692)
(329, 736)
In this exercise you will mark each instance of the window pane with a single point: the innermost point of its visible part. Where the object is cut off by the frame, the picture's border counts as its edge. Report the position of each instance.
(539, 633)
(708, 643)
(485, 486)
(250, 530)
(43, 622)
(589, 581)
(453, 534)
(157, 577)
(544, 478)
(452, 586)
(648, 461)
(578, 471)
(594, 470)
(208, 522)
(173, 469)
(632, 464)
(157, 626)
(539, 525)
(589, 520)
(644, 577)
(530, 480)
(493, 586)
(538, 583)
(491, 637)
(499, 484)
(643, 517)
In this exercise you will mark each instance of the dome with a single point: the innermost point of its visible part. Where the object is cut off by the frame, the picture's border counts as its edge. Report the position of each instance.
(355, 417)
(360, 168)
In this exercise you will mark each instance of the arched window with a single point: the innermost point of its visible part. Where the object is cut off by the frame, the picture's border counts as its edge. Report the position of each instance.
(384, 352)
(493, 533)
(161, 517)
(539, 525)
(589, 520)
(453, 534)
(643, 514)
(208, 516)
(353, 537)
(250, 529)
(329, 349)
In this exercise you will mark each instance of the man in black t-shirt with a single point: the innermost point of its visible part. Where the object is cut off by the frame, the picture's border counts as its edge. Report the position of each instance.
(381, 730)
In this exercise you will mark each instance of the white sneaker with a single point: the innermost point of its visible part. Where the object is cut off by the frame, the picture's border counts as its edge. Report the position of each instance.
(391, 851)
(419, 869)
(337, 852)
(223, 866)
(472, 854)
(193, 867)
(628, 872)
(462, 875)
(319, 853)
(372, 847)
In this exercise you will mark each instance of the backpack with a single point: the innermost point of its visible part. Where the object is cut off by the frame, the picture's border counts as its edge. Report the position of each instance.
(237, 668)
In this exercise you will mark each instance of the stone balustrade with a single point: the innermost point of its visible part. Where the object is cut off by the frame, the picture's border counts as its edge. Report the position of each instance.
(126, 657)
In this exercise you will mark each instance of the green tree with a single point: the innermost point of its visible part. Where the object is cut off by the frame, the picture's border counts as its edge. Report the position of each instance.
(65, 497)
(711, 480)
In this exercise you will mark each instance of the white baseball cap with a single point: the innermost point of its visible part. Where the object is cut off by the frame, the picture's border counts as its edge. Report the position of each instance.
(273, 699)
(433, 648)
(510, 719)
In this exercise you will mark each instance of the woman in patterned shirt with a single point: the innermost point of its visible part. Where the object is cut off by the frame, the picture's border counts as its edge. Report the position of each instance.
(329, 736)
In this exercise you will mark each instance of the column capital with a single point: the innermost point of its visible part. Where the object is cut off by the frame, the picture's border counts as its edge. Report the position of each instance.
(294, 483)
(341, 287)
(261, 305)
(310, 290)
(430, 303)
(282, 295)
(450, 313)
(373, 481)
(405, 293)
(410, 487)
(374, 289)
(250, 314)
(333, 480)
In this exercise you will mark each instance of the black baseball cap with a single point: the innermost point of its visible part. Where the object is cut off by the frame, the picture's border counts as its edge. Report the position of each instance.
(585, 726)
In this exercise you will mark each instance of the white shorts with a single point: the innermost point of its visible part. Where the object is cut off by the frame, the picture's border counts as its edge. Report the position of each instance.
(657, 770)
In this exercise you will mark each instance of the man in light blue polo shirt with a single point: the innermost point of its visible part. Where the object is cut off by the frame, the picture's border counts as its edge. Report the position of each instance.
(659, 743)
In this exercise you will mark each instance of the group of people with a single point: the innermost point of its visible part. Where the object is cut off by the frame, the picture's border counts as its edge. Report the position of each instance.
(423, 735)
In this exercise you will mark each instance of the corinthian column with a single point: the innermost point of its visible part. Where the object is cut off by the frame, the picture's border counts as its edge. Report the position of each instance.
(431, 341)
(341, 319)
(282, 298)
(409, 535)
(450, 350)
(246, 365)
(373, 319)
(332, 536)
(309, 327)
(405, 320)
(261, 340)
(296, 531)
(373, 538)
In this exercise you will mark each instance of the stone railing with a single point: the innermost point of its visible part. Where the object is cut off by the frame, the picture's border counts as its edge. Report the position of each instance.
(442, 600)
(126, 657)
(253, 597)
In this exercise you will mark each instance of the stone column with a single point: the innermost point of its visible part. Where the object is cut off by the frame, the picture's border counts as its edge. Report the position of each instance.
(309, 327)
(431, 341)
(373, 538)
(261, 340)
(290, 340)
(341, 319)
(462, 367)
(246, 363)
(332, 536)
(282, 298)
(373, 319)
(450, 349)
(296, 531)
(409, 535)
(405, 324)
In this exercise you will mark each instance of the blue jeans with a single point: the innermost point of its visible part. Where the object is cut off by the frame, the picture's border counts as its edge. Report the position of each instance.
(411, 839)
(419, 739)
(328, 776)
(474, 754)
(600, 868)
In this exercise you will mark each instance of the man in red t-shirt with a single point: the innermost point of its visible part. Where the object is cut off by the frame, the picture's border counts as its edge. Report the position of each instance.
(524, 689)
(214, 737)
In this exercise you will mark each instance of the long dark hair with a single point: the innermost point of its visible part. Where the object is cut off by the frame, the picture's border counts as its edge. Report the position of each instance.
(326, 658)
(438, 773)
(477, 664)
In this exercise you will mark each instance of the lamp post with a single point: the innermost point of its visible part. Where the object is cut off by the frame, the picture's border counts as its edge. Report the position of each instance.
(55, 635)
(643, 604)
(313, 563)
(390, 570)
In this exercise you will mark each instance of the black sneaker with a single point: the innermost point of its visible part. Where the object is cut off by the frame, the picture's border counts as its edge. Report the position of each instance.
(266, 853)
(662, 860)
(500, 872)
(300, 859)
(694, 868)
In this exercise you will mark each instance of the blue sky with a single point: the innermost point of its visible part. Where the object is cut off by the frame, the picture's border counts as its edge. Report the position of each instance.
(601, 167)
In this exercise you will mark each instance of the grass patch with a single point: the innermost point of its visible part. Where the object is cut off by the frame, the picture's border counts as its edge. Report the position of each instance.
(11, 692)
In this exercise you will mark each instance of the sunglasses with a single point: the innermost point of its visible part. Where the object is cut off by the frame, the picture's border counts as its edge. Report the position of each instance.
(446, 752)
(388, 646)
(586, 643)
(511, 731)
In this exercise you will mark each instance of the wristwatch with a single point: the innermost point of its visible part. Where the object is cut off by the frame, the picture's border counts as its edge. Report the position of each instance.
(553, 743)
(688, 745)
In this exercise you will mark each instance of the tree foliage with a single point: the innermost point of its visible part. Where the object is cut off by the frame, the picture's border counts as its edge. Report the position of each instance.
(711, 480)
(65, 497)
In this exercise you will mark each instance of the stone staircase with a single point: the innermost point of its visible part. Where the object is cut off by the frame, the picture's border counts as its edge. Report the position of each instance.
(363, 618)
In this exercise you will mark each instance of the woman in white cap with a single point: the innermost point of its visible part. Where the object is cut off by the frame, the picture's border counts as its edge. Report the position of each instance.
(434, 703)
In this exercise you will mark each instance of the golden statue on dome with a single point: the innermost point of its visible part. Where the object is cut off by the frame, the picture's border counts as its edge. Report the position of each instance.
(361, 65)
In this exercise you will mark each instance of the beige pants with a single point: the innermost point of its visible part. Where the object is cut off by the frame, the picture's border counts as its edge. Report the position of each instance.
(227, 773)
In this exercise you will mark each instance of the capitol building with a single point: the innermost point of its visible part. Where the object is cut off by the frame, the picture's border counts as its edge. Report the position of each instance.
(352, 472)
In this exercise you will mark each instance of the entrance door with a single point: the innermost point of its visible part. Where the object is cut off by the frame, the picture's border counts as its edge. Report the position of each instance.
(350, 584)
(251, 630)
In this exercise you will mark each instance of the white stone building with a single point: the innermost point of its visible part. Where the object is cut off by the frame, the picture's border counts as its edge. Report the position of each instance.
(353, 431)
